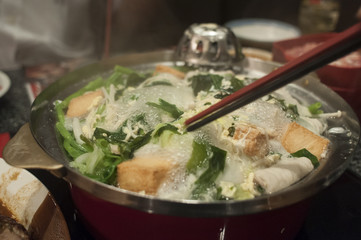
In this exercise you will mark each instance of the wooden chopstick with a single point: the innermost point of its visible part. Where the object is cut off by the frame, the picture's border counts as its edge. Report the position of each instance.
(332, 49)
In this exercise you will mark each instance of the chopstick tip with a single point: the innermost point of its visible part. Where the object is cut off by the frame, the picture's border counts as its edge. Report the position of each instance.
(190, 128)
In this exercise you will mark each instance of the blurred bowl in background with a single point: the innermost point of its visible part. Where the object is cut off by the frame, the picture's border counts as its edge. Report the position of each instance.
(343, 75)
(4, 83)
(262, 33)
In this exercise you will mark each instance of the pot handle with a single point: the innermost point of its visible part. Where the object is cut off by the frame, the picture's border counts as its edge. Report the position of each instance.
(24, 152)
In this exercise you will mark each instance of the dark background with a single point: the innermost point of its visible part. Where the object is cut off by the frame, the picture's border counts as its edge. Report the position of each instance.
(140, 25)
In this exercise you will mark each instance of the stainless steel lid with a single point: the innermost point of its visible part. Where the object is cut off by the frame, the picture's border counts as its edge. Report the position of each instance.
(209, 45)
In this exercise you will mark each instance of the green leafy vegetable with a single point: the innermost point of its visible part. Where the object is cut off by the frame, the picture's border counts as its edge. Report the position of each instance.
(74, 152)
(112, 137)
(205, 154)
(126, 77)
(128, 148)
(305, 153)
(115, 79)
(124, 70)
(88, 145)
(94, 158)
(97, 164)
(164, 127)
(135, 79)
(167, 107)
(87, 162)
(315, 108)
(164, 133)
(293, 111)
(204, 82)
(290, 109)
(117, 137)
(103, 168)
(236, 84)
(198, 158)
(105, 171)
(69, 137)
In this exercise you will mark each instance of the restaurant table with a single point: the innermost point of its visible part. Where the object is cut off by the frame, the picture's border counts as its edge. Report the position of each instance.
(335, 212)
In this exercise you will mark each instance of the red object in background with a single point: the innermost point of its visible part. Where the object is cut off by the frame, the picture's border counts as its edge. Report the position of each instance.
(344, 80)
(106, 220)
(4, 138)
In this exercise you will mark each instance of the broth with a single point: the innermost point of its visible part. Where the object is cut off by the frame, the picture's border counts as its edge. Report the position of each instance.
(128, 131)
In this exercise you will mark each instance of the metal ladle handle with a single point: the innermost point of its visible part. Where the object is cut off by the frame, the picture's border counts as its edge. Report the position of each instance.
(23, 151)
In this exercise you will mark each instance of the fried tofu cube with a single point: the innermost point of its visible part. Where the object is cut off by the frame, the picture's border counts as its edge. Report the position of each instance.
(143, 174)
(298, 137)
(166, 69)
(81, 105)
(255, 141)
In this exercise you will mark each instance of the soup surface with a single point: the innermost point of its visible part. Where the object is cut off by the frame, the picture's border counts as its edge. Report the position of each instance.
(128, 131)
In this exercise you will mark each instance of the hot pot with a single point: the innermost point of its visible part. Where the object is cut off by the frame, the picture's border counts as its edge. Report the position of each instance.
(112, 213)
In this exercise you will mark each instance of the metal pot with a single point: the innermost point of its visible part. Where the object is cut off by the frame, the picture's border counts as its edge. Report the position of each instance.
(112, 213)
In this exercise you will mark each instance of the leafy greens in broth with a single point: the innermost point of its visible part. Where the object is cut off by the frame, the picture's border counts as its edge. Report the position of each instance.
(128, 131)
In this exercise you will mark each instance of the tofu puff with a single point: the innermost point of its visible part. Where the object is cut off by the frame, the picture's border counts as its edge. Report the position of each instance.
(159, 168)
(133, 136)
(143, 174)
(81, 105)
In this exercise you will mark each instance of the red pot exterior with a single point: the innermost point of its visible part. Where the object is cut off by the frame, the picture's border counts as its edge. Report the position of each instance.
(106, 220)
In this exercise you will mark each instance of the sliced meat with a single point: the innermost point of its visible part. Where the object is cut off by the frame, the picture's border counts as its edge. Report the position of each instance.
(143, 174)
(284, 173)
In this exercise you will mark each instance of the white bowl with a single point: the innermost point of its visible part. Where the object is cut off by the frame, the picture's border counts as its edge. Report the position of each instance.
(4, 83)
(262, 33)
